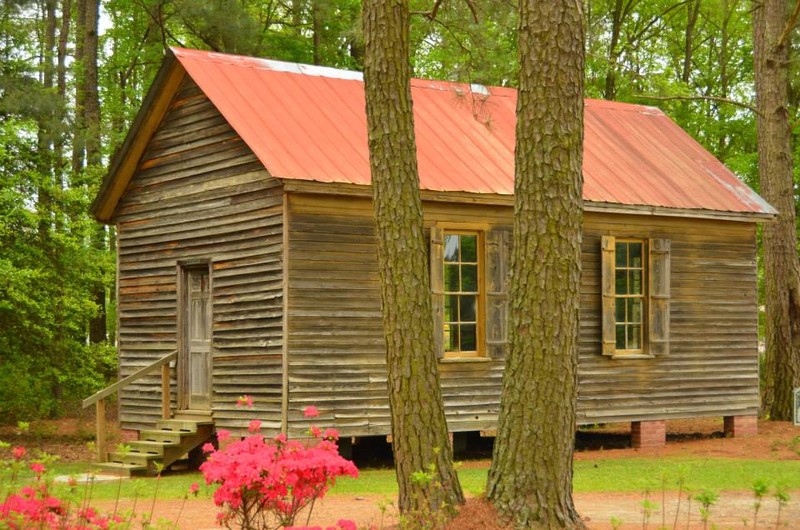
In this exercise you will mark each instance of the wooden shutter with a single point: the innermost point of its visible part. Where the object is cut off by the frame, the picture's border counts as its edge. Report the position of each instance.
(437, 288)
(608, 266)
(498, 257)
(658, 314)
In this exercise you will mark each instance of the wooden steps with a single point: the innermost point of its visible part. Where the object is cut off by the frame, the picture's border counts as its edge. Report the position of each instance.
(158, 448)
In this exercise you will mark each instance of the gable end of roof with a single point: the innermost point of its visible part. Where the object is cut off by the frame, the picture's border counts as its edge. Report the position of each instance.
(126, 158)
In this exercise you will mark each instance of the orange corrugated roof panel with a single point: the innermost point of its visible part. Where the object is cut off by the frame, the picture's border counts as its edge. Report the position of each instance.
(309, 123)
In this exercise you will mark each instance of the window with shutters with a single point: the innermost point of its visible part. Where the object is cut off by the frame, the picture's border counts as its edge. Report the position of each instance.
(635, 285)
(469, 278)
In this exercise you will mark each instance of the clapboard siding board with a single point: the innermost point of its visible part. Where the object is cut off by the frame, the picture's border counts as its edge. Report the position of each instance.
(201, 194)
(336, 353)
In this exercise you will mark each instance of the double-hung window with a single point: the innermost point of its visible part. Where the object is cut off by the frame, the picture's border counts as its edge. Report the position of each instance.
(629, 295)
(635, 296)
(469, 276)
(462, 293)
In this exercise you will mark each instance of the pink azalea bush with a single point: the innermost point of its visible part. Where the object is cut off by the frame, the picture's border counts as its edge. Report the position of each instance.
(265, 483)
(33, 506)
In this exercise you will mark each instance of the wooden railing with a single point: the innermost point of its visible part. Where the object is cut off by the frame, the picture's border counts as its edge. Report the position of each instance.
(99, 398)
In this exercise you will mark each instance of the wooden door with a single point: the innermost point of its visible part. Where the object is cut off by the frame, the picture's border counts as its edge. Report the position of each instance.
(195, 370)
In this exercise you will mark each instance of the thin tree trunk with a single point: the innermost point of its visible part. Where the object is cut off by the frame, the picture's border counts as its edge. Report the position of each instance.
(610, 92)
(61, 83)
(45, 135)
(781, 267)
(692, 14)
(530, 480)
(419, 429)
(79, 134)
(91, 109)
(91, 121)
(316, 19)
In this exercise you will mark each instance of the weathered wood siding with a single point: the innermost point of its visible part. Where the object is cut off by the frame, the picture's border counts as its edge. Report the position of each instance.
(200, 193)
(712, 366)
(336, 349)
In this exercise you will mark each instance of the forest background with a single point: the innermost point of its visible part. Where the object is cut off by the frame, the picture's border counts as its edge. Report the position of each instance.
(73, 74)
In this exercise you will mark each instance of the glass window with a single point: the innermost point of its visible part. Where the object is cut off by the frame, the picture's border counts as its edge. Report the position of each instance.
(629, 295)
(462, 296)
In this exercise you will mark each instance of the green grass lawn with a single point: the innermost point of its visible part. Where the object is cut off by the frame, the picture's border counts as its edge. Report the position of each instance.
(612, 475)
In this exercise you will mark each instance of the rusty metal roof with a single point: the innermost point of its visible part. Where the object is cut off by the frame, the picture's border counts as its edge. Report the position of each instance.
(309, 123)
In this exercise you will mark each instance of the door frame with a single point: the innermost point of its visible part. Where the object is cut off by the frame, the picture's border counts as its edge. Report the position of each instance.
(184, 268)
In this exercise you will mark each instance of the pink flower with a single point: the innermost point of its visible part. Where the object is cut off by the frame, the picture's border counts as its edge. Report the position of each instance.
(346, 524)
(245, 401)
(311, 412)
(208, 447)
(18, 452)
(254, 426)
(223, 435)
(38, 468)
(315, 431)
(194, 489)
(259, 477)
(331, 434)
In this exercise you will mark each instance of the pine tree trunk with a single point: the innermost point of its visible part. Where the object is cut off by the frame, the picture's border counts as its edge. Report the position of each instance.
(91, 108)
(79, 133)
(781, 267)
(91, 155)
(530, 479)
(419, 430)
(45, 133)
(316, 29)
(610, 90)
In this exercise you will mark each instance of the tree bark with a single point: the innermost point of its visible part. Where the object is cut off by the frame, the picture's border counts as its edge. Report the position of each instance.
(775, 165)
(419, 430)
(530, 479)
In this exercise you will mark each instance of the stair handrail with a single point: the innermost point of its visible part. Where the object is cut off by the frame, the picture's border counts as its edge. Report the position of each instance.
(98, 399)
(135, 376)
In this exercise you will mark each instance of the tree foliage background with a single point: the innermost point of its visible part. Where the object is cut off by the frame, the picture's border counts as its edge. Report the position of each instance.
(693, 58)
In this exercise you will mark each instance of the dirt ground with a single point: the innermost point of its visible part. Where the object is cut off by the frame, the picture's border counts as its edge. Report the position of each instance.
(687, 438)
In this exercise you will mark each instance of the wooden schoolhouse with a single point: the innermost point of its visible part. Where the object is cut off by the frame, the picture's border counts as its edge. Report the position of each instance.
(246, 256)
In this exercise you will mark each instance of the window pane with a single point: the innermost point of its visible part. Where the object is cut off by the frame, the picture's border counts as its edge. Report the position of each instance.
(635, 310)
(451, 278)
(469, 278)
(451, 248)
(469, 249)
(635, 254)
(634, 337)
(622, 282)
(469, 340)
(622, 254)
(620, 336)
(635, 282)
(450, 308)
(619, 313)
(469, 305)
(451, 337)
